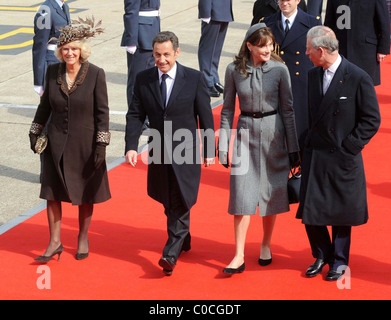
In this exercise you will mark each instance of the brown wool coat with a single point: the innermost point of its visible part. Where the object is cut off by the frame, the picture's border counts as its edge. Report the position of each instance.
(73, 119)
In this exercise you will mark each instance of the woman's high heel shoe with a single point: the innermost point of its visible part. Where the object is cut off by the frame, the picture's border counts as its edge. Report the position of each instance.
(58, 251)
(81, 256)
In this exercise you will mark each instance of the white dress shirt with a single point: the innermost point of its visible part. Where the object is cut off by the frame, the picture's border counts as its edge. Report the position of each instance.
(291, 20)
(329, 74)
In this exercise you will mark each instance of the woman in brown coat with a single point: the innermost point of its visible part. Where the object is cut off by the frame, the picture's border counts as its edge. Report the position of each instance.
(74, 168)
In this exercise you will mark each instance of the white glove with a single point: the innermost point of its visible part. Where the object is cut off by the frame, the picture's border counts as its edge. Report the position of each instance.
(39, 90)
(131, 49)
(207, 20)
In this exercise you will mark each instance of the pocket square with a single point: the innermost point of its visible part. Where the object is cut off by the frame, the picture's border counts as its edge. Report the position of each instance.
(343, 98)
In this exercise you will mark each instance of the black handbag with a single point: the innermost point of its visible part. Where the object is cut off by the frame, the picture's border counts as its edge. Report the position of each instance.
(294, 186)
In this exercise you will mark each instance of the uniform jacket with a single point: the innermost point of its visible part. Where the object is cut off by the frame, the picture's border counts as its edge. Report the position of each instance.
(77, 116)
(140, 30)
(291, 49)
(265, 8)
(260, 164)
(48, 19)
(333, 187)
(369, 33)
(188, 105)
(217, 10)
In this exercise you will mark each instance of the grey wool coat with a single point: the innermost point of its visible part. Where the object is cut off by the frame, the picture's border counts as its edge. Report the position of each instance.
(260, 163)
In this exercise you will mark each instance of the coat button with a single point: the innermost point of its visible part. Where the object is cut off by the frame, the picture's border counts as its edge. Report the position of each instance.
(297, 52)
(297, 73)
(282, 52)
(297, 63)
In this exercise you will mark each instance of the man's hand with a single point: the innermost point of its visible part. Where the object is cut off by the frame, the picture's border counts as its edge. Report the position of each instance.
(208, 161)
(380, 57)
(131, 157)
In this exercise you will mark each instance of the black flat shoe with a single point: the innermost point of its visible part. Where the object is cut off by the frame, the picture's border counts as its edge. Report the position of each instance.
(334, 275)
(234, 270)
(315, 268)
(264, 262)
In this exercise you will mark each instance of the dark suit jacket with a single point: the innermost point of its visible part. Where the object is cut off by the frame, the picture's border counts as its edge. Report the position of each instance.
(48, 19)
(217, 10)
(369, 33)
(265, 8)
(292, 48)
(139, 30)
(342, 122)
(189, 104)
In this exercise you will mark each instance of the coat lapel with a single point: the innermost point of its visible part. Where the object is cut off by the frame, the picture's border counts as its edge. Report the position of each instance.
(79, 78)
(178, 84)
(299, 28)
(155, 86)
(333, 92)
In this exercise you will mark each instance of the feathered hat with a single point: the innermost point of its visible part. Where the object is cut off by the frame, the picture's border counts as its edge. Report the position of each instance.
(78, 30)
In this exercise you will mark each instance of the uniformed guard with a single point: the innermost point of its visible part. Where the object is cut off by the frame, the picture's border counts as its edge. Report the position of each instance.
(52, 14)
(290, 27)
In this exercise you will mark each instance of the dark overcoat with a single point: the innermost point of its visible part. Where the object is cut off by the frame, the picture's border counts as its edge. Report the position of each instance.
(292, 48)
(333, 189)
(174, 135)
(368, 34)
(76, 116)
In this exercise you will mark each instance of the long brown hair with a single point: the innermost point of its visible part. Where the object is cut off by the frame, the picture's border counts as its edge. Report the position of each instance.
(259, 38)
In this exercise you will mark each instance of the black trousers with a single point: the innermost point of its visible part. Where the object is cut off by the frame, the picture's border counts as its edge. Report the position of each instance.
(178, 219)
(335, 250)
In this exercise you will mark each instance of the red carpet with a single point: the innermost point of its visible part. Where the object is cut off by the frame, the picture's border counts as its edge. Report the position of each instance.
(127, 235)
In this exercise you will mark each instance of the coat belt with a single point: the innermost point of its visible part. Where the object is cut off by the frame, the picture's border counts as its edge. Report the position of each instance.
(258, 114)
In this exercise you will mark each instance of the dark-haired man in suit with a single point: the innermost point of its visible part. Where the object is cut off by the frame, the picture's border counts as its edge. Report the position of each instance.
(175, 99)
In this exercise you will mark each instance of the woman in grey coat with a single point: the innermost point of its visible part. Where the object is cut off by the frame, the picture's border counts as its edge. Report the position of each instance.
(266, 141)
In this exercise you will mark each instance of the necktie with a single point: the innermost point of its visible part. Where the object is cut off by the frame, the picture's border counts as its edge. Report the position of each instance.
(63, 9)
(163, 88)
(326, 80)
(286, 26)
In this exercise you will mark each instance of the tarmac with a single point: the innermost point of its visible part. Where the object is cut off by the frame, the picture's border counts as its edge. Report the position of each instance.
(19, 167)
